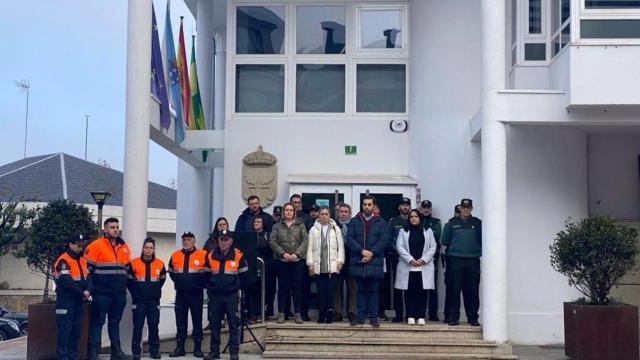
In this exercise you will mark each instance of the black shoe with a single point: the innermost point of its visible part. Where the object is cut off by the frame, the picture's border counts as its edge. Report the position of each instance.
(321, 317)
(351, 316)
(474, 323)
(454, 323)
(433, 318)
(357, 321)
(155, 355)
(212, 356)
(92, 352)
(337, 317)
(375, 323)
(179, 350)
(305, 318)
(445, 320)
(234, 356)
(383, 317)
(329, 317)
(197, 349)
(116, 352)
(397, 320)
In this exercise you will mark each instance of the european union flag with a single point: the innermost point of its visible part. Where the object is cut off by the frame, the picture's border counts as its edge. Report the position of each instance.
(174, 81)
(158, 86)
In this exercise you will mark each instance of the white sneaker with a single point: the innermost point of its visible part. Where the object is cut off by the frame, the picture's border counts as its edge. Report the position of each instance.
(421, 322)
(411, 321)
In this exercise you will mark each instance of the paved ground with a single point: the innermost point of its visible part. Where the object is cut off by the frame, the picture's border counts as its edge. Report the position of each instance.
(16, 349)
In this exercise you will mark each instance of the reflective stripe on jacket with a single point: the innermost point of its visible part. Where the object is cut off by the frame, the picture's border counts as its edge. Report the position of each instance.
(227, 273)
(107, 264)
(186, 269)
(146, 279)
(71, 274)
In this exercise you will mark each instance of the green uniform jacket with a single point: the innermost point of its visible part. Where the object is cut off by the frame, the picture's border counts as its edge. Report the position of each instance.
(292, 240)
(395, 225)
(434, 224)
(463, 238)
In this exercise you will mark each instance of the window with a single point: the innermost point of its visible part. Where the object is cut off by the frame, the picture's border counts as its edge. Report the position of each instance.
(560, 25)
(535, 16)
(610, 29)
(535, 52)
(320, 30)
(381, 88)
(320, 88)
(260, 29)
(381, 29)
(259, 88)
(612, 4)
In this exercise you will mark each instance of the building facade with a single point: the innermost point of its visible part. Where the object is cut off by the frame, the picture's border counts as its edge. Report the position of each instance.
(529, 107)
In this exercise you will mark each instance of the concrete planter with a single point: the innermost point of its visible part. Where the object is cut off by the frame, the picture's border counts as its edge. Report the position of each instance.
(42, 337)
(601, 331)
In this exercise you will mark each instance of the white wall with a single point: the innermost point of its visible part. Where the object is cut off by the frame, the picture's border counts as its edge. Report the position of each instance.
(614, 177)
(193, 202)
(546, 182)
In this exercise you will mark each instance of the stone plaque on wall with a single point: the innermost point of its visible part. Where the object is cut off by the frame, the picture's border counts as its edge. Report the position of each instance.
(260, 176)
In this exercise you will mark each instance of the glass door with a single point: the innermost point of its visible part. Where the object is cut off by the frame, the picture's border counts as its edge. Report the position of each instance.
(387, 198)
(322, 195)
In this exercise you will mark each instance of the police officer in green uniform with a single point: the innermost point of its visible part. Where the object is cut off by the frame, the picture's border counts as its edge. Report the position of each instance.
(463, 238)
(395, 225)
(433, 223)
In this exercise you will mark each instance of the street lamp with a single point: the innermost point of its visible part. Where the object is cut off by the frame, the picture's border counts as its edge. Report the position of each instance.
(24, 86)
(100, 197)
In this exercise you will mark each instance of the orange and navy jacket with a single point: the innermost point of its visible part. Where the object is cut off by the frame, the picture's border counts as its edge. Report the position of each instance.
(186, 269)
(107, 265)
(71, 275)
(146, 278)
(227, 272)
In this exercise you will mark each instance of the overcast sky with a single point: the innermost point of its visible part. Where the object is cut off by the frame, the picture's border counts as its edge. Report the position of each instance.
(73, 52)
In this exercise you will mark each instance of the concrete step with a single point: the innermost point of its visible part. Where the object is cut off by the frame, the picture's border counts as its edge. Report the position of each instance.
(387, 331)
(382, 355)
(404, 346)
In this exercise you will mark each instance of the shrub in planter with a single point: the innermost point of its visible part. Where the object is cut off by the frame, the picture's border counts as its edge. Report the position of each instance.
(594, 254)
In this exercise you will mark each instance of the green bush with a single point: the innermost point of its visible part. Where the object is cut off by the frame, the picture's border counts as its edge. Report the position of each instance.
(594, 253)
(49, 230)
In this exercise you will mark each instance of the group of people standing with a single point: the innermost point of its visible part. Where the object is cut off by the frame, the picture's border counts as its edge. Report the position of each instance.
(352, 254)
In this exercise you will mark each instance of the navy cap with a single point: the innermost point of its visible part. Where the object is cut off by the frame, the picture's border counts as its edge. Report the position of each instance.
(426, 204)
(456, 209)
(405, 200)
(277, 210)
(225, 234)
(188, 234)
(314, 207)
(466, 203)
(75, 239)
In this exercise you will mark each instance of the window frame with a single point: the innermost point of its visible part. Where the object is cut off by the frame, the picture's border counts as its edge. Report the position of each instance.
(583, 13)
(384, 53)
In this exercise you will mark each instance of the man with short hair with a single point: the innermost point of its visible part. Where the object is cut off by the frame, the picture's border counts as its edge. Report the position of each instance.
(107, 258)
(73, 285)
(245, 220)
(395, 225)
(306, 219)
(429, 222)
(343, 217)
(147, 275)
(367, 236)
(227, 271)
(187, 270)
(463, 238)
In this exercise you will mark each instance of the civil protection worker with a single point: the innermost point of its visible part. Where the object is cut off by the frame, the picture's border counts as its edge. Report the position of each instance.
(227, 270)
(73, 285)
(186, 269)
(147, 274)
(107, 258)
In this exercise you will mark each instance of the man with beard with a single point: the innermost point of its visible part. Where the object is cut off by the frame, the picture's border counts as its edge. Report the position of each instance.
(245, 220)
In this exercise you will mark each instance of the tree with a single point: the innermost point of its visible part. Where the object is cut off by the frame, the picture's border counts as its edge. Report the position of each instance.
(48, 233)
(14, 221)
(594, 253)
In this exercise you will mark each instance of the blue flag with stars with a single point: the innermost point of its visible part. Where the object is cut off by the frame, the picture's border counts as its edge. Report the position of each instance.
(174, 81)
(158, 86)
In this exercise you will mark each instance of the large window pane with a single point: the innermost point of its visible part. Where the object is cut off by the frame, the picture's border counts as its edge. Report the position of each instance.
(260, 30)
(381, 29)
(610, 29)
(612, 4)
(535, 52)
(320, 88)
(259, 88)
(565, 10)
(381, 88)
(320, 30)
(535, 16)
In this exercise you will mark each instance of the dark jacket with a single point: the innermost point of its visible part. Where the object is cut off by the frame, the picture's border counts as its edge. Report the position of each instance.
(71, 275)
(306, 219)
(463, 238)
(226, 273)
(245, 220)
(187, 270)
(146, 278)
(374, 240)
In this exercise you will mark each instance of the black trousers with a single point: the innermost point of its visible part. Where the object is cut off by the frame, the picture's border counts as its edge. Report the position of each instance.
(149, 310)
(398, 302)
(289, 280)
(222, 304)
(270, 285)
(305, 292)
(446, 289)
(185, 303)
(464, 275)
(432, 294)
(415, 296)
(326, 284)
(68, 320)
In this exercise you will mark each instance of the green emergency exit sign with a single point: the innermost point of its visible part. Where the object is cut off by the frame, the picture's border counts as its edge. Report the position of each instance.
(351, 150)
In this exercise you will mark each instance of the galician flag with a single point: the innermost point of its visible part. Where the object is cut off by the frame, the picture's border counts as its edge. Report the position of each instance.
(196, 112)
(174, 77)
(183, 73)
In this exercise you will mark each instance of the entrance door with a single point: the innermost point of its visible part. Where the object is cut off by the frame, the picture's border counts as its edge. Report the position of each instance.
(387, 197)
(322, 195)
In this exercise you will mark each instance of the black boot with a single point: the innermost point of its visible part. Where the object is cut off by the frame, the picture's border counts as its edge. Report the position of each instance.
(197, 349)
(234, 356)
(179, 350)
(116, 352)
(92, 352)
(321, 317)
(329, 317)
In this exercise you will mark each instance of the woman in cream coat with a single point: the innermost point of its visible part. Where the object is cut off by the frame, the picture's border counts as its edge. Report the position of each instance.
(325, 257)
(415, 272)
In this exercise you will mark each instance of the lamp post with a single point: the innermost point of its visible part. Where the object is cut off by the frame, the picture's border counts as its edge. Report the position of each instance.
(100, 197)
(24, 86)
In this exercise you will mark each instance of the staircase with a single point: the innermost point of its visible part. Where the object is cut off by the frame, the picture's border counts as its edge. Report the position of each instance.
(389, 341)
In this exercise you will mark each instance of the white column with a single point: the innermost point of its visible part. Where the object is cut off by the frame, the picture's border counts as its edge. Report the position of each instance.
(220, 26)
(136, 160)
(204, 54)
(494, 175)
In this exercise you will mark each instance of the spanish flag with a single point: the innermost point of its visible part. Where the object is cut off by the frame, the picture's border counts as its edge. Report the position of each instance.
(183, 75)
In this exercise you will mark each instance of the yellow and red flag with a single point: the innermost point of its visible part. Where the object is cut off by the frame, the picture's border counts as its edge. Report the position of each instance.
(183, 74)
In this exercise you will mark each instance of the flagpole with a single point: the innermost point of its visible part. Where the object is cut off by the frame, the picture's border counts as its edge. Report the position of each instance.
(24, 86)
(86, 135)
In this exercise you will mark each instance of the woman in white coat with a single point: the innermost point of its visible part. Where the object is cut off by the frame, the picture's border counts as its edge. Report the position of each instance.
(415, 272)
(325, 258)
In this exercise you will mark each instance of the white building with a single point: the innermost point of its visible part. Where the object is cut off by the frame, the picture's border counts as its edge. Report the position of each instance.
(529, 107)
